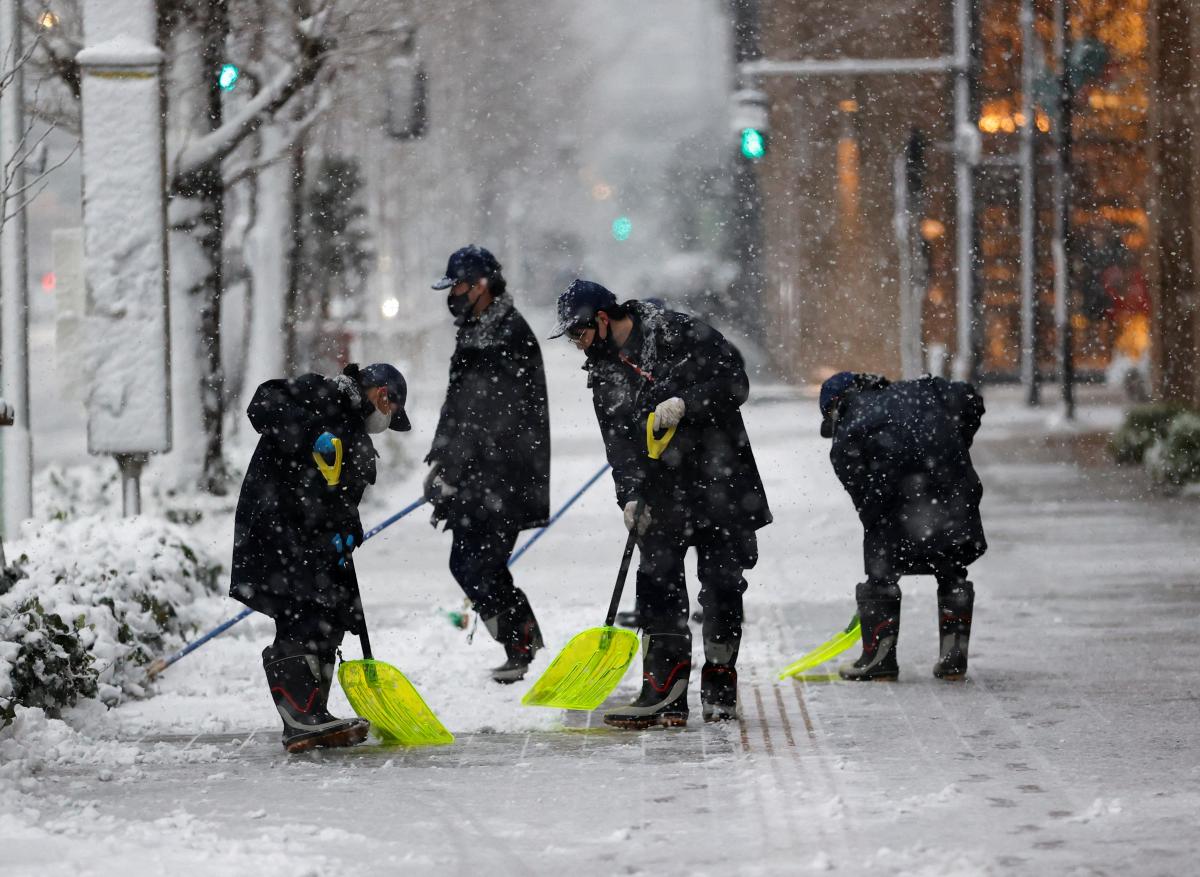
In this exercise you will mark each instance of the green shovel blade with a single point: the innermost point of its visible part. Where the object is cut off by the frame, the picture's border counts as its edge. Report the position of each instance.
(585, 672)
(822, 653)
(382, 695)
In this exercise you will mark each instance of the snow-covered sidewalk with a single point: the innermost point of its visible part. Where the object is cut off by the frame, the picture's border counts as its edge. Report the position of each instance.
(1071, 749)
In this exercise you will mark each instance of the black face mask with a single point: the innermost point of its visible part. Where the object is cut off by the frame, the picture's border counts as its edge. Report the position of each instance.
(459, 306)
(601, 348)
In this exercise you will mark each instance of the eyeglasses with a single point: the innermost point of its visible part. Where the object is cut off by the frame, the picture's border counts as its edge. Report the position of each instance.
(576, 333)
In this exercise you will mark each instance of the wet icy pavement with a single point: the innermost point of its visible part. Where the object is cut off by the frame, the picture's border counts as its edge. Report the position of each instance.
(1071, 749)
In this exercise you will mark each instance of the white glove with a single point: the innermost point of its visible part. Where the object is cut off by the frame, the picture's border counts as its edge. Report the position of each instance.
(669, 413)
(630, 510)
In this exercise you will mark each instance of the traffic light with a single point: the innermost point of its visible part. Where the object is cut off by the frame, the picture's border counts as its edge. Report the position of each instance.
(622, 228)
(754, 144)
(751, 122)
(228, 76)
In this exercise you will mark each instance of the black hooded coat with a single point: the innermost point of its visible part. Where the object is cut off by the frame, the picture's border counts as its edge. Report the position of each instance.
(902, 451)
(707, 477)
(284, 561)
(493, 434)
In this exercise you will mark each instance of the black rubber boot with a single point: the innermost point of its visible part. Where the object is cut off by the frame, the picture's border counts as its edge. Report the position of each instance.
(666, 668)
(954, 624)
(879, 618)
(300, 689)
(517, 630)
(718, 682)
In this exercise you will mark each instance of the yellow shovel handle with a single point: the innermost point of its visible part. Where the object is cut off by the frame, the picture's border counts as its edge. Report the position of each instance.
(333, 474)
(656, 446)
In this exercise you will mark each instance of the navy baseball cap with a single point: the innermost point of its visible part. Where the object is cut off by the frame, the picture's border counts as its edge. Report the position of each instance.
(468, 263)
(381, 374)
(578, 304)
(831, 391)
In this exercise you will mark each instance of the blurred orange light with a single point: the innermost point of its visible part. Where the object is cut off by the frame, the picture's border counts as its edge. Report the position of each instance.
(848, 106)
(602, 191)
(932, 229)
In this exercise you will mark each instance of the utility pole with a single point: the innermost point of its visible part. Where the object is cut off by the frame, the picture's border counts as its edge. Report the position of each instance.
(966, 156)
(1062, 208)
(129, 396)
(1028, 160)
(747, 237)
(14, 286)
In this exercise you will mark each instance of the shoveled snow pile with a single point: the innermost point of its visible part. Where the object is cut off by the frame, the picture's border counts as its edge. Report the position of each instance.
(90, 602)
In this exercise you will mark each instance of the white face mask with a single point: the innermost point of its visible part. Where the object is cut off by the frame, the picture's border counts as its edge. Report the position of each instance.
(377, 421)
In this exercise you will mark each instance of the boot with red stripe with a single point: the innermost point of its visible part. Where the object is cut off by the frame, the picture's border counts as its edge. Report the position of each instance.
(301, 696)
(879, 617)
(718, 681)
(955, 607)
(666, 667)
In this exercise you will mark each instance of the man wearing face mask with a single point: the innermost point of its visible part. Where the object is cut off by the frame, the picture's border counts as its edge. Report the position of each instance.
(489, 475)
(297, 526)
(705, 492)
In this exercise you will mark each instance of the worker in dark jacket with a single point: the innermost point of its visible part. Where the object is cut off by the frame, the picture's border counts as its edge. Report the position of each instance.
(489, 474)
(297, 526)
(903, 452)
(704, 493)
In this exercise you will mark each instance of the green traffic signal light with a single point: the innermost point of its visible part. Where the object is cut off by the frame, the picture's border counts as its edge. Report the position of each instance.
(228, 77)
(622, 228)
(754, 144)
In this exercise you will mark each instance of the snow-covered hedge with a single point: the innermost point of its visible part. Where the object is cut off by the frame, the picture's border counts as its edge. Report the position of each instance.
(1144, 426)
(91, 602)
(1175, 459)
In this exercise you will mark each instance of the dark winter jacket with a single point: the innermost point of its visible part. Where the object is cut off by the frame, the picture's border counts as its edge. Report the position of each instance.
(902, 451)
(493, 435)
(707, 476)
(287, 514)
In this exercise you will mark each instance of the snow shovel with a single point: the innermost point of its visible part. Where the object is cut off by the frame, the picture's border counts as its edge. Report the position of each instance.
(383, 696)
(829, 649)
(593, 663)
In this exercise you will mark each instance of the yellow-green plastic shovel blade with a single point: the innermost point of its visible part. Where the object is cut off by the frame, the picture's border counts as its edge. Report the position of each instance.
(380, 694)
(825, 651)
(585, 672)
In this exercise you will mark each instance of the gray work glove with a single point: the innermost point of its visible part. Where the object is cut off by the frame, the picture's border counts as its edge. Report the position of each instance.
(437, 489)
(630, 511)
(669, 413)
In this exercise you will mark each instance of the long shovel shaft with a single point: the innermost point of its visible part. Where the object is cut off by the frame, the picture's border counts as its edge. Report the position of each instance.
(625, 559)
(161, 664)
(558, 514)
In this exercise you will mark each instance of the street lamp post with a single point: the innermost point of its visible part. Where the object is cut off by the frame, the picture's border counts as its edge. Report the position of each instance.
(14, 291)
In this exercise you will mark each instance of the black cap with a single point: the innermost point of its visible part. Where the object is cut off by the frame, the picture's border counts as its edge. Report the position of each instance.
(578, 304)
(468, 263)
(832, 391)
(381, 374)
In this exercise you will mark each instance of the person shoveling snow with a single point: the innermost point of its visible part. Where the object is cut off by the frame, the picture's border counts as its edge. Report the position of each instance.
(297, 525)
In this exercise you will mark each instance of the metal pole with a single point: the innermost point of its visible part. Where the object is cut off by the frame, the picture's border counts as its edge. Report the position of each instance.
(131, 466)
(1062, 211)
(966, 140)
(902, 221)
(14, 289)
(1029, 370)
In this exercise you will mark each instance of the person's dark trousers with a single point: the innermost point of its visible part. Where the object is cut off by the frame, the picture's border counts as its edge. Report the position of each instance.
(479, 563)
(722, 556)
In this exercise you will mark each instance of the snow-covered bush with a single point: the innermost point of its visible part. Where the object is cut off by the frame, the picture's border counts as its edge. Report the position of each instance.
(64, 493)
(93, 601)
(1175, 459)
(1143, 426)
